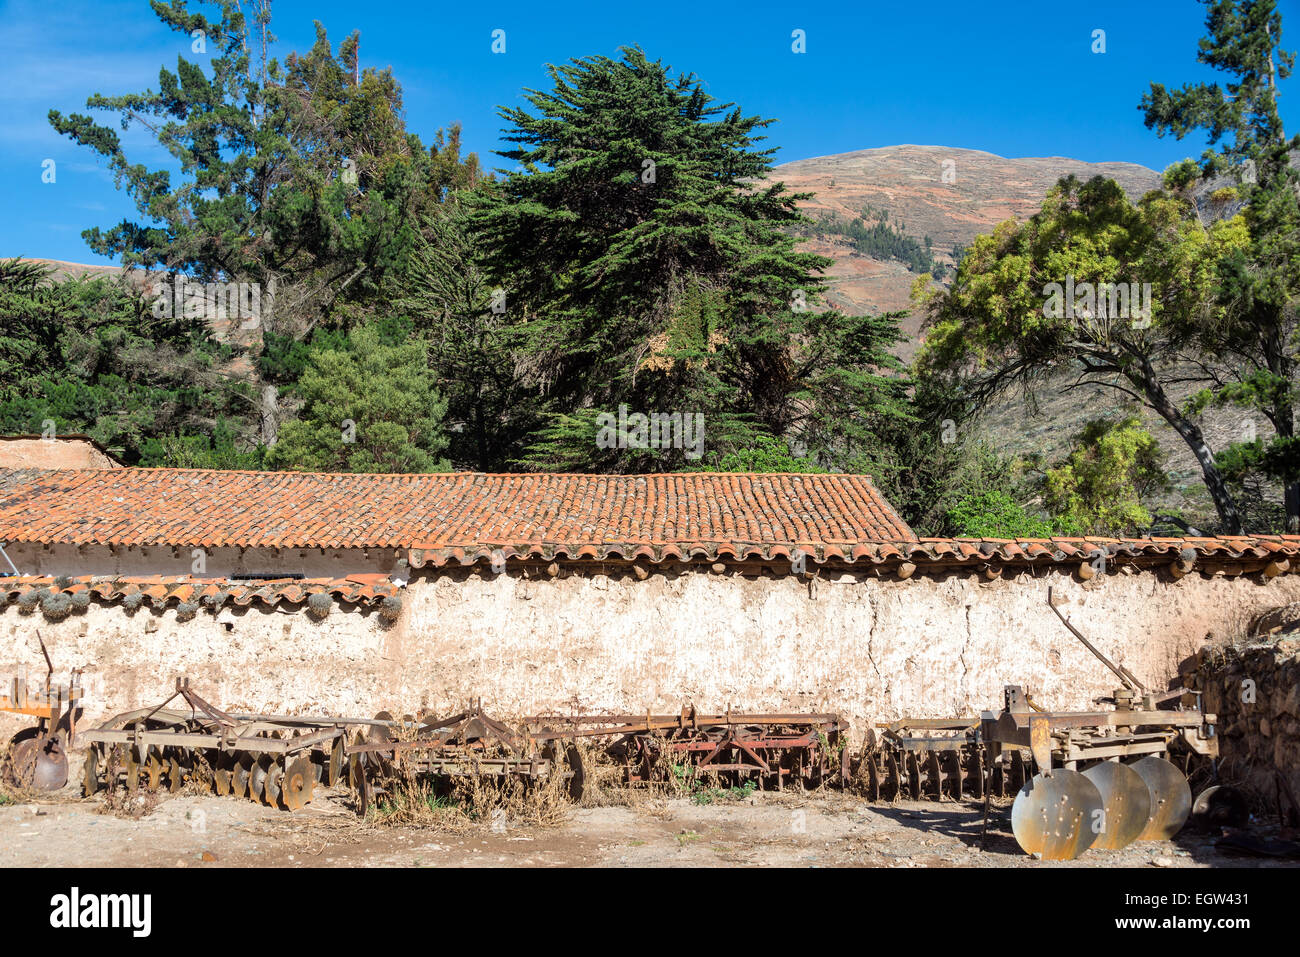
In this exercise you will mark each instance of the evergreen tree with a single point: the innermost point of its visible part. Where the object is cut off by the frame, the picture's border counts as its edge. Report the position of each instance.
(299, 178)
(368, 407)
(89, 356)
(1255, 339)
(470, 354)
(646, 261)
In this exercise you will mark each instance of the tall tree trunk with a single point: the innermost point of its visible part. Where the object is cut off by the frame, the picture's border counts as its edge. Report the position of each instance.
(270, 416)
(1191, 433)
(1285, 425)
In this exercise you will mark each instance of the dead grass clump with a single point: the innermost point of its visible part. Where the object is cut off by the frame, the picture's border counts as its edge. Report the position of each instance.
(471, 801)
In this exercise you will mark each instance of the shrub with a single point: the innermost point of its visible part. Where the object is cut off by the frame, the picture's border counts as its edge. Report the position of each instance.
(994, 514)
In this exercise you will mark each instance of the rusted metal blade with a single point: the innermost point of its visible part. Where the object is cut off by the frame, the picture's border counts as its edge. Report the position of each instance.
(1125, 800)
(271, 788)
(153, 767)
(296, 787)
(175, 773)
(1052, 818)
(239, 777)
(223, 774)
(1171, 798)
(257, 780)
(90, 773)
(334, 764)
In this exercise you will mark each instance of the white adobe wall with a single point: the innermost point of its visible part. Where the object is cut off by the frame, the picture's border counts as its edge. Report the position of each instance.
(869, 648)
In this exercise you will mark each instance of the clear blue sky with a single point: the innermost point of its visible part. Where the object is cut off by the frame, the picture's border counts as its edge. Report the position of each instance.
(1017, 79)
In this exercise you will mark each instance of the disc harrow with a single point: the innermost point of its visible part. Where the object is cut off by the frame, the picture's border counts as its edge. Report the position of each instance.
(770, 750)
(275, 760)
(915, 759)
(468, 744)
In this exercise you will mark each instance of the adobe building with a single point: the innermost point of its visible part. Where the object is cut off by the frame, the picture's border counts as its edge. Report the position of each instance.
(347, 594)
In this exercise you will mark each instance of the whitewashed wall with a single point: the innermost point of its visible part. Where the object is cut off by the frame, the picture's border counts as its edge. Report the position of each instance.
(869, 648)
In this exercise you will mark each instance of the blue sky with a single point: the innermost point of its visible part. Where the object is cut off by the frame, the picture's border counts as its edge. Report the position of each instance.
(1017, 79)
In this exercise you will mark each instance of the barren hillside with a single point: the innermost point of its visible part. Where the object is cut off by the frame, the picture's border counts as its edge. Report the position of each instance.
(979, 191)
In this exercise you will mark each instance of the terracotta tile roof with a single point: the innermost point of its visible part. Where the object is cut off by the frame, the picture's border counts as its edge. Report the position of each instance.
(465, 518)
(158, 590)
(457, 516)
(1030, 550)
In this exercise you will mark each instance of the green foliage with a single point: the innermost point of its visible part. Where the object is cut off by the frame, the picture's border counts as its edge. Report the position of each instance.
(1100, 487)
(298, 178)
(470, 347)
(872, 234)
(300, 173)
(741, 792)
(1005, 323)
(647, 262)
(766, 454)
(90, 357)
(1252, 345)
(368, 407)
(994, 514)
(220, 448)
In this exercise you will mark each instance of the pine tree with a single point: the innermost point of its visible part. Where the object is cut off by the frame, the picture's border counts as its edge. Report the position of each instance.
(298, 178)
(646, 260)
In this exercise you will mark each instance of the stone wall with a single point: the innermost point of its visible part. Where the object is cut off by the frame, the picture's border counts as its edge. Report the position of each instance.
(868, 647)
(1255, 690)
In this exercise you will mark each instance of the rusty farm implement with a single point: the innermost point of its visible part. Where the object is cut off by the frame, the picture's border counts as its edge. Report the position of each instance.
(1081, 779)
(279, 760)
(466, 745)
(37, 758)
(771, 750)
(273, 759)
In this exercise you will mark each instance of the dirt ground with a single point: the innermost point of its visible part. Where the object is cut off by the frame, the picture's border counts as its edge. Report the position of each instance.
(763, 829)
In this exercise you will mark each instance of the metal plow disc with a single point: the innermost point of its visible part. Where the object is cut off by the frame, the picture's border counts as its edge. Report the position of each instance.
(1052, 818)
(296, 786)
(1125, 800)
(1171, 798)
(38, 761)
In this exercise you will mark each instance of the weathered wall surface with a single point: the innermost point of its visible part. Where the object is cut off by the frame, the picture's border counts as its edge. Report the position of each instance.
(870, 648)
(1255, 690)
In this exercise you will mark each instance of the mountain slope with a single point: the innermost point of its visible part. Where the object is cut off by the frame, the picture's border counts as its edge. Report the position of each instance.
(908, 182)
